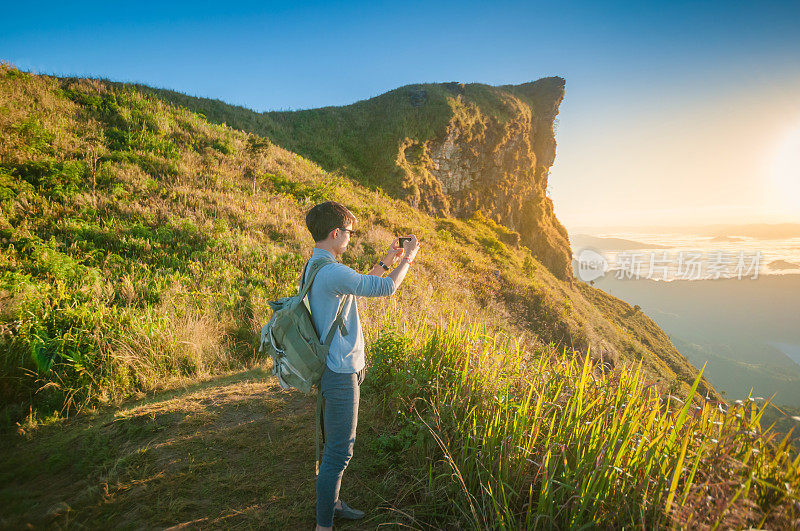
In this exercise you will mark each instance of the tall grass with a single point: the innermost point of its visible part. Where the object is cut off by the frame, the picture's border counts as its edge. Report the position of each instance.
(521, 439)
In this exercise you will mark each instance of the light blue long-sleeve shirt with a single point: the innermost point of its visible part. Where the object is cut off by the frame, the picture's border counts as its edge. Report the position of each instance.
(333, 282)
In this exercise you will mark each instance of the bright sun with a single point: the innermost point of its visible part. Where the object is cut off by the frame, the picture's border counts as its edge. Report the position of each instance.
(785, 174)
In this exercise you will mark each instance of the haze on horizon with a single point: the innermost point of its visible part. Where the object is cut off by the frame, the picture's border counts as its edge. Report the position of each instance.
(678, 114)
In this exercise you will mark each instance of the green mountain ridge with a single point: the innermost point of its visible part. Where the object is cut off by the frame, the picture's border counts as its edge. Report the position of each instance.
(449, 149)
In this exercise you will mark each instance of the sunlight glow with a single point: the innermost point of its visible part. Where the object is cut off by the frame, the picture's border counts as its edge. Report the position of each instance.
(785, 174)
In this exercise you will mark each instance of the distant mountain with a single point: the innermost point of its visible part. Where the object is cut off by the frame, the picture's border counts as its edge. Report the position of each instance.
(725, 239)
(579, 241)
(779, 265)
(746, 329)
(762, 231)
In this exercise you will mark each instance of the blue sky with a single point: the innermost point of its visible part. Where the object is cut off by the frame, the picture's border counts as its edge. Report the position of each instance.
(670, 114)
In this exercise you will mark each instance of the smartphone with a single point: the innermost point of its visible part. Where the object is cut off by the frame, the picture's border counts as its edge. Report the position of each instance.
(403, 240)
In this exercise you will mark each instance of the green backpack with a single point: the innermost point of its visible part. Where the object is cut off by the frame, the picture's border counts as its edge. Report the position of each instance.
(290, 338)
(298, 357)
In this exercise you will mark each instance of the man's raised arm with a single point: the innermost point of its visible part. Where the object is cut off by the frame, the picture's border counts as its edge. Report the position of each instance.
(350, 282)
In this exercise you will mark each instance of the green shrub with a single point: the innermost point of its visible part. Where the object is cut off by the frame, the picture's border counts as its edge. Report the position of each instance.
(10, 185)
(457, 230)
(56, 180)
(491, 245)
(388, 355)
(223, 145)
(19, 74)
(35, 136)
(300, 192)
(142, 140)
(528, 267)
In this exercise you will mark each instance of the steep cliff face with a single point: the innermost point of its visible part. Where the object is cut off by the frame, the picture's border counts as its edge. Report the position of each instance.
(496, 162)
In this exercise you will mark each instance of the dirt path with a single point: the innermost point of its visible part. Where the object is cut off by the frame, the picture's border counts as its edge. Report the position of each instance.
(235, 452)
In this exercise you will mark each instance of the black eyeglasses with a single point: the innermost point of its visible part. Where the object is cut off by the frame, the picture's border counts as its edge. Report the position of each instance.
(349, 231)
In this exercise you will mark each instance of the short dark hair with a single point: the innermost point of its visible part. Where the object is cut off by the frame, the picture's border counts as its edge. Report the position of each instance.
(325, 217)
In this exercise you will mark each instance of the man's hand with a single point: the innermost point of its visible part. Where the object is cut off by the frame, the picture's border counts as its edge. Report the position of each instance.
(410, 248)
(394, 252)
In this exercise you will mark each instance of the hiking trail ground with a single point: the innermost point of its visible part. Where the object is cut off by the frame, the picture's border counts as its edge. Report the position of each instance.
(235, 451)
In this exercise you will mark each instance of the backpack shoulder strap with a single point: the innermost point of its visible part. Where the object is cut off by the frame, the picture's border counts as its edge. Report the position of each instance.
(305, 285)
(338, 322)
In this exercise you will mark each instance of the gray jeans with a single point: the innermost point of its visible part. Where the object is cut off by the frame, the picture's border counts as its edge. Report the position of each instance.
(341, 393)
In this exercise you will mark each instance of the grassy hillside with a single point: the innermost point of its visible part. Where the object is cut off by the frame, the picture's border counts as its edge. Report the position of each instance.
(141, 244)
(358, 139)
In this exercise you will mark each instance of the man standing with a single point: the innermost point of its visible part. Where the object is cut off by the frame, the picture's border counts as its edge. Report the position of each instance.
(331, 226)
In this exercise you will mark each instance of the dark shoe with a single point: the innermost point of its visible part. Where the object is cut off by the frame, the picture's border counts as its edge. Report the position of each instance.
(348, 513)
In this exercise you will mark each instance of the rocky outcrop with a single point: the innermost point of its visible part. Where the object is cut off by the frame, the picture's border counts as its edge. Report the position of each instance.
(494, 157)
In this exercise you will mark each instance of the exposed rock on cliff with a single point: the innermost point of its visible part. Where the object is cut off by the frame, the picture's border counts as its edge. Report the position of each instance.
(493, 156)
